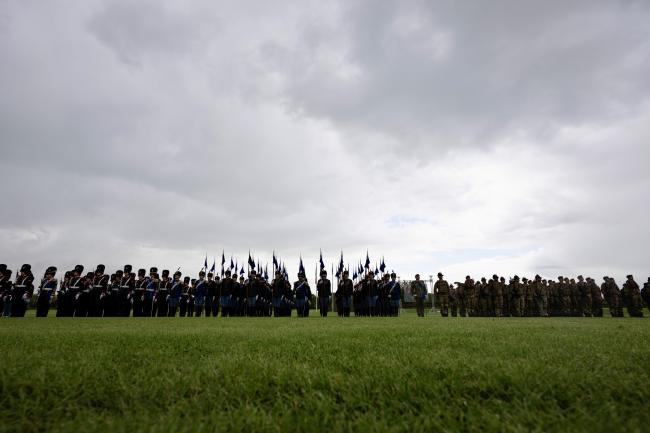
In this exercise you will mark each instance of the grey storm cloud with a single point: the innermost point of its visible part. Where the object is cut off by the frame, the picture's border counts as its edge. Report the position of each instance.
(508, 137)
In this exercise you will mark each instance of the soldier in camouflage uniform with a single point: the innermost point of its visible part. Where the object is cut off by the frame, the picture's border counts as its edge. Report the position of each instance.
(645, 293)
(505, 290)
(632, 296)
(596, 298)
(614, 294)
(483, 298)
(470, 294)
(497, 296)
(585, 296)
(453, 301)
(516, 297)
(530, 298)
(461, 299)
(441, 292)
(539, 295)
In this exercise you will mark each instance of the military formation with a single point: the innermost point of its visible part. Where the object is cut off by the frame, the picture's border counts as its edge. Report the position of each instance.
(538, 297)
(368, 293)
(152, 294)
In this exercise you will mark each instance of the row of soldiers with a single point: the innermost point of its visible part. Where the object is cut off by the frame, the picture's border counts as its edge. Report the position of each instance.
(125, 293)
(540, 297)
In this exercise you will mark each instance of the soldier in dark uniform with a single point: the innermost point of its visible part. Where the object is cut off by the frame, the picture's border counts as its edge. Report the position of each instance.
(150, 292)
(632, 296)
(127, 285)
(277, 292)
(251, 286)
(97, 292)
(162, 295)
(46, 289)
(394, 294)
(217, 296)
(185, 297)
(372, 293)
(139, 288)
(302, 294)
(62, 298)
(585, 296)
(210, 289)
(23, 289)
(240, 291)
(75, 293)
(348, 292)
(324, 290)
(3, 268)
(226, 294)
(6, 291)
(199, 294)
(112, 298)
(174, 294)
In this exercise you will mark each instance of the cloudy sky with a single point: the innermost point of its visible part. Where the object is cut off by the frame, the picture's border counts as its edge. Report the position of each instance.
(512, 137)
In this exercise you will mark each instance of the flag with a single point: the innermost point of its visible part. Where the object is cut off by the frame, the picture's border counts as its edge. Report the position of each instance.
(275, 261)
(241, 272)
(367, 260)
(266, 272)
(341, 266)
(382, 267)
(376, 270)
(223, 258)
(251, 262)
(205, 265)
(301, 268)
(322, 264)
(214, 265)
(232, 265)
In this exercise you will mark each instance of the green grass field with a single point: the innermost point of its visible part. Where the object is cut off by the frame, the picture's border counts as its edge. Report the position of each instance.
(332, 375)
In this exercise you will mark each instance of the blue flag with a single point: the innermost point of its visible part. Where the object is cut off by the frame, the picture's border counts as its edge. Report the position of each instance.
(205, 265)
(223, 258)
(214, 264)
(251, 262)
(301, 268)
(232, 265)
(382, 267)
(367, 260)
(242, 271)
(322, 264)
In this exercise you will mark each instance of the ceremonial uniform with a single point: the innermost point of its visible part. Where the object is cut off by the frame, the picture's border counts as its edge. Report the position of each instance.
(22, 292)
(47, 288)
(161, 308)
(394, 294)
(324, 290)
(174, 294)
(98, 293)
(150, 292)
(5, 291)
(302, 293)
(138, 293)
(127, 286)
